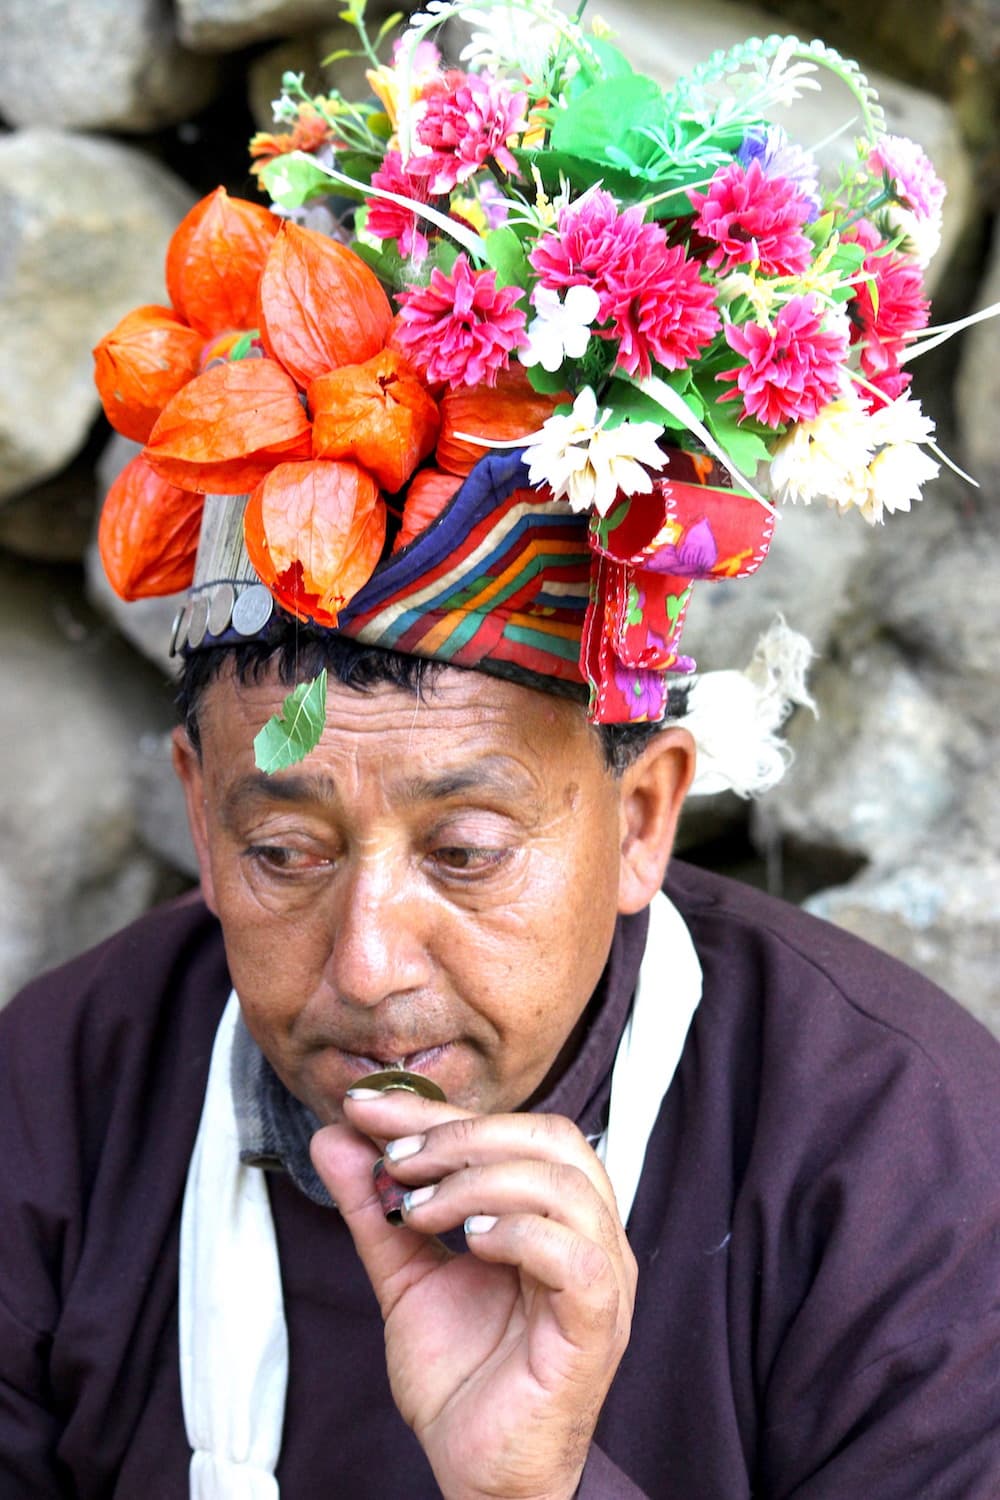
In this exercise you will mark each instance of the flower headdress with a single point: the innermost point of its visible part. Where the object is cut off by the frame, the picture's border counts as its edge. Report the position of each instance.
(651, 296)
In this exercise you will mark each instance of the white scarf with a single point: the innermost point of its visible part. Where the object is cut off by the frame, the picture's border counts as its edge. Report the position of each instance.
(233, 1337)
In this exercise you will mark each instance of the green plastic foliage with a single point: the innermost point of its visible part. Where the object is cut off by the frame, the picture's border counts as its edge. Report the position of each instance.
(289, 736)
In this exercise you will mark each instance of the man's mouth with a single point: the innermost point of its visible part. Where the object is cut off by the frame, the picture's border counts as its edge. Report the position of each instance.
(420, 1061)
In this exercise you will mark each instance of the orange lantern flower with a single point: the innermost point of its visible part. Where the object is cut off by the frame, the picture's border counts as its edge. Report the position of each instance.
(226, 429)
(215, 260)
(148, 533)
(378, 413)
(511, 409)
(425, 500)
(140, 364)
(314, 532)
(214, 265)
(320, 305)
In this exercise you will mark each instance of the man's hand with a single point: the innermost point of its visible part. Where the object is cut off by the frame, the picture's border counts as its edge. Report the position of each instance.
(500, 1360)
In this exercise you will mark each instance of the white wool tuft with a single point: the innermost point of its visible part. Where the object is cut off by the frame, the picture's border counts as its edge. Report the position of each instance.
(735, 716)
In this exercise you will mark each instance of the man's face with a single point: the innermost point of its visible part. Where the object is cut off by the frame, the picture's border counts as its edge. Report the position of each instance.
(435, 885)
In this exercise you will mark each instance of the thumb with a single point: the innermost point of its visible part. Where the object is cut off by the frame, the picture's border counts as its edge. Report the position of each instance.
(395, 1257)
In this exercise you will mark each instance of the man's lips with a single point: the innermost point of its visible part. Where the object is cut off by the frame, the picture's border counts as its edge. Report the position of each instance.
(421, 1060)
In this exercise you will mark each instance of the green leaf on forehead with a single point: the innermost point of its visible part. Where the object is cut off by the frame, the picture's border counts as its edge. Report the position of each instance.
(289, 736)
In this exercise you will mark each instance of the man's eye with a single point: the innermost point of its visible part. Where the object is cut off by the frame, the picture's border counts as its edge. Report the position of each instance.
(460, 859)
(280, 859)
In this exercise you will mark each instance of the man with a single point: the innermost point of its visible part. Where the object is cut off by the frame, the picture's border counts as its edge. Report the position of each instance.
(669, 1195)
(455, 880)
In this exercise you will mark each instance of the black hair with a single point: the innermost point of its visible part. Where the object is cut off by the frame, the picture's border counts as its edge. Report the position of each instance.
(295, 653)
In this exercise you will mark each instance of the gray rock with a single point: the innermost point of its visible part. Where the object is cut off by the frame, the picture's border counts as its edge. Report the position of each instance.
(52, 522)
(978, 387)
(807, 577)
(161, 818)
(98, 65)
(76, 704)
(876, 771)
(939, 912)
(225, 25)
(83, 228)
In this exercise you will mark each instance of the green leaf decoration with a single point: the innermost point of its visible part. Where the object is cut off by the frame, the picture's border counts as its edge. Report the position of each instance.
(742, 441)
(289, 736)
(292, 179)
(546, 382)
(505, 253)
(627, 401)
(611, 114)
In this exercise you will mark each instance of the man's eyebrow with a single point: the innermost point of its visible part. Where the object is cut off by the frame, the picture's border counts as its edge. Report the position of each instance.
(259, 787)
(491, 773)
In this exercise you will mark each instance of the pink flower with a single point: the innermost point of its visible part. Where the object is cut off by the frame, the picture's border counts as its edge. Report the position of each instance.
(911, 174)
(468, 120)
(651, 296)
(884, 323)
(595, 245)
(461, 328)
(754, 217)
(390, 221)
(793, 368)
(671, 319)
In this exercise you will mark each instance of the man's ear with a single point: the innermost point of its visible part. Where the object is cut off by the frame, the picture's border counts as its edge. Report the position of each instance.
(653, 789)
(187, 764)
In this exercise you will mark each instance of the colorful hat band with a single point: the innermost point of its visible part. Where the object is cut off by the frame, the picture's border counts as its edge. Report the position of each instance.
(509, 582)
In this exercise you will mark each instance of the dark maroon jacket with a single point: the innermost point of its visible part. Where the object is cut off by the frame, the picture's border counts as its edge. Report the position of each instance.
(817, 1230)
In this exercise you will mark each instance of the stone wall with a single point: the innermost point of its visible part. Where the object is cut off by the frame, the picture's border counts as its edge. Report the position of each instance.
(118, 113)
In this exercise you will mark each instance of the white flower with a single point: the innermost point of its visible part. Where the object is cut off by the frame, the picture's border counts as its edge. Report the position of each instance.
(854, 459)
(562, 329)
(900, 466)
(581, 459)
(921, 235)
(509, 37)
(825, 459)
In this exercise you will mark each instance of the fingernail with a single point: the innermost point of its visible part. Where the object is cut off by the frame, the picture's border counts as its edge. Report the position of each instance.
(419, 1195)
(407, 1145)
(479, 1223)
(363, 1094)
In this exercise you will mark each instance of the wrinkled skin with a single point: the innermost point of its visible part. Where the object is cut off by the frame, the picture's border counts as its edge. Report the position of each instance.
(437, 884)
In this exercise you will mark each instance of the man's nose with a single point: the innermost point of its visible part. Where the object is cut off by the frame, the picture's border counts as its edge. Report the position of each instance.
(380, 934)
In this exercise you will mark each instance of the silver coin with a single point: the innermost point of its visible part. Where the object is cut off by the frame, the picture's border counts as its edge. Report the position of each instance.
(252, 609)
(175, 630)
(220, 611)
(199, 621)
(183, 626)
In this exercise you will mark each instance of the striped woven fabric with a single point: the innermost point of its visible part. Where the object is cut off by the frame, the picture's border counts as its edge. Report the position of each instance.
(502, 576)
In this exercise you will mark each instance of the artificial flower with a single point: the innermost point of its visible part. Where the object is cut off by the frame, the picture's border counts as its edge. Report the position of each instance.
(462, 327)
(887, 309)
(753, 217)
(793, 367)
(310, 131)
(900, 467)
(393, 221)
(671, 319)
(468, 120)
(910, 173)
(590, 464)
(781, 157)
(824, 457)
(404, 82)
(560, 329)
